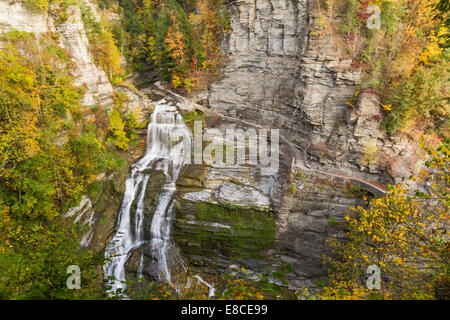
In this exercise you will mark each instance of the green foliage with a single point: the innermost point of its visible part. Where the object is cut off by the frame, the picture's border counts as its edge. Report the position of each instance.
(442, 9)
(103, 45)
(351, 22)
(37, 5)
(423, 96)
(131, 121)
(292, 189)
(177, 38)
(191, 116)
(50, 151)
(332, 221)
(35, 258)
(403, 62)
(122, 122)
(391, 16)
(116, 128)
(57, 8)
(405, 235)
(94, 189)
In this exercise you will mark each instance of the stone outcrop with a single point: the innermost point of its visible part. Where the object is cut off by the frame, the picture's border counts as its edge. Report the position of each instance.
(139, 102)
(282, 76)
(84, 214)
(15, 16)
(87, 73)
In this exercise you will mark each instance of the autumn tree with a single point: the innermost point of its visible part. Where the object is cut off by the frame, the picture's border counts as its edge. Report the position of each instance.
(103, 45)
(181, 39)
(442, 9)
(404, 234)
(49, 154)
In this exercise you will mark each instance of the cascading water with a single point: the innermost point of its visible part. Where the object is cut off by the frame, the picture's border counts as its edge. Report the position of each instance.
(168, 149)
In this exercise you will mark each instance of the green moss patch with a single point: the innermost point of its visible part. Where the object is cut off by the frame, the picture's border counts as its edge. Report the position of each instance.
(224, 231)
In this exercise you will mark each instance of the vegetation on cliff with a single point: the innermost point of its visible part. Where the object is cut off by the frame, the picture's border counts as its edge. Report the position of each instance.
(404, 234)
(178, 39)
(51, 149)
(405, 58)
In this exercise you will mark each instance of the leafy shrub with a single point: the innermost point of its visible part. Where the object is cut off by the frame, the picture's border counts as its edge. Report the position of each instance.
(292, 189)
(404, 62)
(116, 128)
(37, 5)
(421, 100)
(44, 171)
(194, 115)
(94, 189)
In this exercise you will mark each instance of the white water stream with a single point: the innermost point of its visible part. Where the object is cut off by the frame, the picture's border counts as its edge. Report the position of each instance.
(168, 149)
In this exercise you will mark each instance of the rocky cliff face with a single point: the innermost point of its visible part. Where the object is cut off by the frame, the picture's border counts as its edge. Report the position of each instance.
(265, 46)
(87, 73)
(281, 76)
(14, 16)
(72, 34)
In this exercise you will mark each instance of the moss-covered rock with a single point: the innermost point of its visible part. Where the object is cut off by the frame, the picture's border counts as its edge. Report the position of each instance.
(218, 234)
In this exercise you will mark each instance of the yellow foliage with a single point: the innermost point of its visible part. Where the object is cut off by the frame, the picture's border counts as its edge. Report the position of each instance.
(369, 152)
(116, 127)
(387, 107)
(433, 50)
(400, 234)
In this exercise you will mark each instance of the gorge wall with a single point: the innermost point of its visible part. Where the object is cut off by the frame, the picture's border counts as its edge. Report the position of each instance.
(281, 76)
(15, 16)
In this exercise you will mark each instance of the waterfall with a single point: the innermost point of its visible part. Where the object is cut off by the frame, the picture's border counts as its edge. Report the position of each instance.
(168, 149)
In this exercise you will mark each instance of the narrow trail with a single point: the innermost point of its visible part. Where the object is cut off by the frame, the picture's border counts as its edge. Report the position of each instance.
(374, 187)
